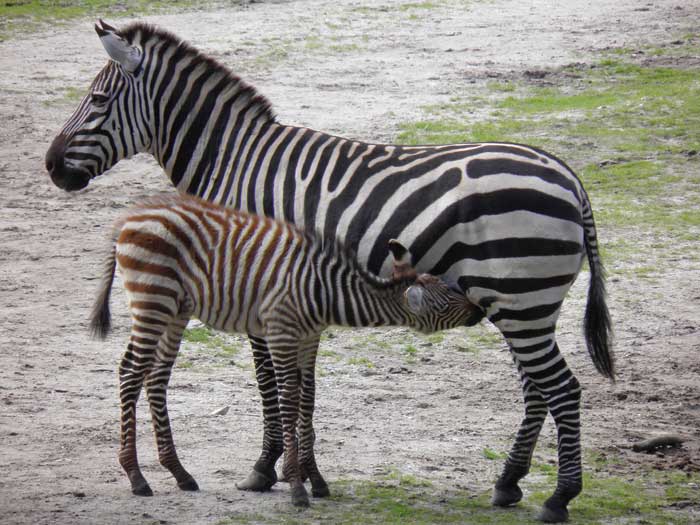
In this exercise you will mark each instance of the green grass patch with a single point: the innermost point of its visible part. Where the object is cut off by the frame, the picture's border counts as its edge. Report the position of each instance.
(410, 350)
(18, 16)
(209, 340)
(360, 361)
(493, 455)
(418, 5)
(397, 498)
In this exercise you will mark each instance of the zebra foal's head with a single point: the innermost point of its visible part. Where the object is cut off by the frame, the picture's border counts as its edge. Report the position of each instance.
(109, 123)
(433, 303)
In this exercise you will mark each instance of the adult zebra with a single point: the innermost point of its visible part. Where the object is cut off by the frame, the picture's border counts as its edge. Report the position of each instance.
(510, 224)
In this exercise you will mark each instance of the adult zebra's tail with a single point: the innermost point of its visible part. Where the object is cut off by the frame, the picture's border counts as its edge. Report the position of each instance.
(596, 322)
(100, 318)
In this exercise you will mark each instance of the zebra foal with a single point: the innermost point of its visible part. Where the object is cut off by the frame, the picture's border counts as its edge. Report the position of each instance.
(182, 257)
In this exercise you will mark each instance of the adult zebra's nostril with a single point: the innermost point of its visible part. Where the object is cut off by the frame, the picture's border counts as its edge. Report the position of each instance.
(49, 165)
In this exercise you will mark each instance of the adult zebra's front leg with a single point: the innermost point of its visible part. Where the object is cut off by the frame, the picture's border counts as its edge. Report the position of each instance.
(264, 476)
(156, 391)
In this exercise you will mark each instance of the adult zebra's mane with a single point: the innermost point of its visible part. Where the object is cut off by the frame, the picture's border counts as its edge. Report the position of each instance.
(140, 33)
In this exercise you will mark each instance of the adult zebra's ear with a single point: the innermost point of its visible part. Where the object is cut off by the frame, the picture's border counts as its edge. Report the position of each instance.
(402, 261)
(117, 48)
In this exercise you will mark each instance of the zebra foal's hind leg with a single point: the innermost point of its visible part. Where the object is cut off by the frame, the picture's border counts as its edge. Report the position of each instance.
(264, 476)
(135, 365)
(156, 391)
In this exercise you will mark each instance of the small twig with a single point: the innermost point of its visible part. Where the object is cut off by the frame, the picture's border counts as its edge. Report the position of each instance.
(666, 440)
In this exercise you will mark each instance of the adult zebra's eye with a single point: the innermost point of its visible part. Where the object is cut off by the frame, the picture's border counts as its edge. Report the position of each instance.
(99, 99)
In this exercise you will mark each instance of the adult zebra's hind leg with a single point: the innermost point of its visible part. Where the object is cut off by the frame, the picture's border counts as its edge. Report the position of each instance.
(546, 377)
(507, 492)
(156, 390)
(264, 476)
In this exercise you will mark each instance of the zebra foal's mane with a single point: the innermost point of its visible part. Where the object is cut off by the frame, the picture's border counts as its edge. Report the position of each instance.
(147, 32)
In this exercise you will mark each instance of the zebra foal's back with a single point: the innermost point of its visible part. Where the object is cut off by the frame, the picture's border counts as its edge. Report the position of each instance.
(205, 261)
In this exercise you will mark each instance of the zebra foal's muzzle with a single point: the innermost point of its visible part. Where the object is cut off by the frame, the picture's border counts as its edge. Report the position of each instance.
(65, 177)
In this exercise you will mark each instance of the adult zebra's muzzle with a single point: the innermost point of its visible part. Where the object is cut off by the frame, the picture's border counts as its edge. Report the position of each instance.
(65, 177)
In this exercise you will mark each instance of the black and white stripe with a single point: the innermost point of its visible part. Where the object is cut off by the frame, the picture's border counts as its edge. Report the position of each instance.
(510, 224)
(183, 257)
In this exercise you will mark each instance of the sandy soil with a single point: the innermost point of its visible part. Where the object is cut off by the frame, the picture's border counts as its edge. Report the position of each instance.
(362, 74)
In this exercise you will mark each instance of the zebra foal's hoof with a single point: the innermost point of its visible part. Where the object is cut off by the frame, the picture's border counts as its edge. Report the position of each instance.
(189, 485)
(553, 515)
(257, 482)
(141, 489)
(300, 498)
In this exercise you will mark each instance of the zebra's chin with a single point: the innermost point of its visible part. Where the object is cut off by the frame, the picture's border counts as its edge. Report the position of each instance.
(70, 180)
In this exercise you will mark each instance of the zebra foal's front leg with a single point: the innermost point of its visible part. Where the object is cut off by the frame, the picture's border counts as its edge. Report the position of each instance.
(284, 348)
(264, 476)
(305, 429)
(156, 390)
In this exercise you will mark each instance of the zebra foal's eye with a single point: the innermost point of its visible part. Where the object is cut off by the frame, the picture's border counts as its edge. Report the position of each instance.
(99, 99)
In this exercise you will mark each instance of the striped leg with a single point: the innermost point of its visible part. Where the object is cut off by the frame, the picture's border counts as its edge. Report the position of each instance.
(507, 492)
(545, 372)
(135, 365)
(156, 390)
(305, 429)
(263, 476)
(284, 352)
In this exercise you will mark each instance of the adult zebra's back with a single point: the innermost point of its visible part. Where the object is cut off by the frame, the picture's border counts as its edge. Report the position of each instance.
(509, 223)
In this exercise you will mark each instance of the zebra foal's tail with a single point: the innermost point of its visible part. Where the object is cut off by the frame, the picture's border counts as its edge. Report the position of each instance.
(100, 318)
(596, 322)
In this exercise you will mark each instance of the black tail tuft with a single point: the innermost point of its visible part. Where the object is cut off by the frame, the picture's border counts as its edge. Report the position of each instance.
(597, 323)
(100, 319)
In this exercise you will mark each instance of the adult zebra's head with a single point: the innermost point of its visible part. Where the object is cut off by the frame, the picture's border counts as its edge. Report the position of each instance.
(109, 124)
(157, 94)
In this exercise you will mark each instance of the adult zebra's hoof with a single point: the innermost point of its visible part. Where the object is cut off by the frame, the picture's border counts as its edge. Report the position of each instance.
(189, 484)
(506, 496)
(258, 482)
(553, 515)
(300, 497)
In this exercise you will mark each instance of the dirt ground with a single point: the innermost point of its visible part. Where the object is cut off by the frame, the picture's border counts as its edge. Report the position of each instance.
(429, 414)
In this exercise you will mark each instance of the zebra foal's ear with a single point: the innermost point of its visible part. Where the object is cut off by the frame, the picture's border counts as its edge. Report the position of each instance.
(415, 299)
(117, 48)
(402, 261)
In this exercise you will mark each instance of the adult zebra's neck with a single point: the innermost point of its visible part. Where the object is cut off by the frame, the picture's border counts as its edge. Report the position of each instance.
(203, 142)
(203, 115)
